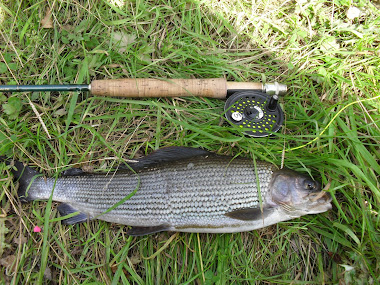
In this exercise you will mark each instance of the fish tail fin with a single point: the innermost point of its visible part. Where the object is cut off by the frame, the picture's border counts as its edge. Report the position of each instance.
(24, 175)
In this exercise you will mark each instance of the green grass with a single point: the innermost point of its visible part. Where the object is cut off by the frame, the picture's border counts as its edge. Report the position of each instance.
(332, 131)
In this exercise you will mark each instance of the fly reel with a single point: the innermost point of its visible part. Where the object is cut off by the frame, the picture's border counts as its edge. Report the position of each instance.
(257, 113)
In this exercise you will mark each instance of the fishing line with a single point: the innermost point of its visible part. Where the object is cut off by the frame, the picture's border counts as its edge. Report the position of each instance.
(331, 121)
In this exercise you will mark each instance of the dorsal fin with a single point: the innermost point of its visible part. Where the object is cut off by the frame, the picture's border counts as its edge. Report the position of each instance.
(167, 154)
(74, 172)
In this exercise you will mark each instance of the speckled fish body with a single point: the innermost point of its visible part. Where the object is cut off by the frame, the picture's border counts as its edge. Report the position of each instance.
(184, 189)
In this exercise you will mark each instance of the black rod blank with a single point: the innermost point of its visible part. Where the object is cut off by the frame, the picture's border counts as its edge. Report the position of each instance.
(44, 88)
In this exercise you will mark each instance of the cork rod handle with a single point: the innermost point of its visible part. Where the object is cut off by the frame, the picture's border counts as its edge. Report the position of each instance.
(142, 87)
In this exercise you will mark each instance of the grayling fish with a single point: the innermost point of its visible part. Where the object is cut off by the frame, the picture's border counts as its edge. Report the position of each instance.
(181, 189)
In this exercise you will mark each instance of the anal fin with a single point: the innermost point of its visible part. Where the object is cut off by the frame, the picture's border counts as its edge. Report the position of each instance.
(66, 209)
(250, 214)
(142, 231)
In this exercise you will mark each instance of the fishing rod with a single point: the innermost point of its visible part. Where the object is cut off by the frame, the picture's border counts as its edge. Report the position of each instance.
(252, 106)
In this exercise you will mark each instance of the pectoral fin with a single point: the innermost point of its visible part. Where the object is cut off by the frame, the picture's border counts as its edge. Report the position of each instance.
(250, 214)
(142, 231)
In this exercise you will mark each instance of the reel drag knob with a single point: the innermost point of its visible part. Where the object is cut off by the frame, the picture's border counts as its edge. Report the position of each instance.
(256, 112)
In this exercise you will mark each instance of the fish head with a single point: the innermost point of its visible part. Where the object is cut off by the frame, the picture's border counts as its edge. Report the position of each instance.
(298, 194)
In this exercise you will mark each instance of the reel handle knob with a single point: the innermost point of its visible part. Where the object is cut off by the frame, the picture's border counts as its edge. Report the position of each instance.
(272, 104)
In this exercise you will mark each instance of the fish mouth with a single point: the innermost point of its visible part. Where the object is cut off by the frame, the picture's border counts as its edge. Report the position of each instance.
(320, 202)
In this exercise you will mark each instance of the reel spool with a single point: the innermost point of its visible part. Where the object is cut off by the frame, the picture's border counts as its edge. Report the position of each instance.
(256, 111)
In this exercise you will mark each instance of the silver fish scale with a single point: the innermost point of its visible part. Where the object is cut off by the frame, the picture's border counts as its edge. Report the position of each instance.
(192, 191)
(229, 187)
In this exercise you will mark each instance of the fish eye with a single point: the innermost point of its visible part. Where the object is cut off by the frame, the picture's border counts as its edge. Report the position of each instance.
(310, 185)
